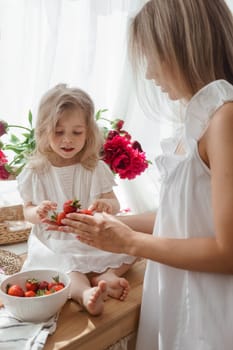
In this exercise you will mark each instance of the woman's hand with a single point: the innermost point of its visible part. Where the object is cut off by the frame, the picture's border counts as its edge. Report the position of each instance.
(102, 231)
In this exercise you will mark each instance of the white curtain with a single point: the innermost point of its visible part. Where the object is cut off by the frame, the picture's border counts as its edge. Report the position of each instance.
(81, 43)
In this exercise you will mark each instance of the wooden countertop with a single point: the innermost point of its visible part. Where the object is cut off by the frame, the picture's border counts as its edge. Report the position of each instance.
(77, 330)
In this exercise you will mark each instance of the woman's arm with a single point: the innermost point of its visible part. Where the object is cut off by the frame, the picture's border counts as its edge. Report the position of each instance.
(107, 233)
(139, 222)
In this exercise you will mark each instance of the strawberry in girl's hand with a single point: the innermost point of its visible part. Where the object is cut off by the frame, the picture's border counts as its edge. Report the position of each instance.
(85, 211)
(71, 206)
(60, 217)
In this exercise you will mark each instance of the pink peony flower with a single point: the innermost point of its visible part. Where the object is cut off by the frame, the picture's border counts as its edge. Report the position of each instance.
(136, 145)
(4, 174)
(3, 158)
(124, 156)
(111, 134)
(21, 145)
(119, 124)
(123, 159)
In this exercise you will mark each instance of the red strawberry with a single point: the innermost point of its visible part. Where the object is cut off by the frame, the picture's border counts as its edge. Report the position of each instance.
(56, 282)
(43, 285)
(51, 285)
(71, 206)
(15, 290)
(84, 211)
(57, 287)
(59, 217)
(32, 284)
(47, 292)
(30, 293)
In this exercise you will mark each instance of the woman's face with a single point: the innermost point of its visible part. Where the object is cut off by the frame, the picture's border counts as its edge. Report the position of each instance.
(168, 80)
(69, 136)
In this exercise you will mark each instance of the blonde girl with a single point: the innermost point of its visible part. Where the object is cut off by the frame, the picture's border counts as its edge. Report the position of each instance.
(66, 165)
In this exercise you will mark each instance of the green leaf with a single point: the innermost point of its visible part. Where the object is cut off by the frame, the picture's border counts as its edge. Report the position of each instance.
(26, 135)
(30, 117)
(8, 167)
(14, 139)
(99, 113)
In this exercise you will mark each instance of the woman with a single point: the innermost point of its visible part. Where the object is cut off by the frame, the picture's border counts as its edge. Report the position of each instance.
(187, 296)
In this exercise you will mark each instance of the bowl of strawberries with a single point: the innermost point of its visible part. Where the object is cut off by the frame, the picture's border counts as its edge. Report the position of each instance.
(35, 295)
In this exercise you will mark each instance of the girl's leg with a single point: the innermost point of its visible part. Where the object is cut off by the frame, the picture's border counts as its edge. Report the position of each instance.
(92, 298)
(117, 287)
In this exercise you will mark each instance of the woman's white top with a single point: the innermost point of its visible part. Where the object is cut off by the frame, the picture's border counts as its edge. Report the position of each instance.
(184, 310)
(52, 249)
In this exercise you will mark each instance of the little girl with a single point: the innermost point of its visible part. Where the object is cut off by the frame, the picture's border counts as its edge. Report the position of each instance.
(65, 166)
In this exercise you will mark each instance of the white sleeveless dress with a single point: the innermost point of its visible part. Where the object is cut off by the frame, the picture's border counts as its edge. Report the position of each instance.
(62, 251)
(183, 310)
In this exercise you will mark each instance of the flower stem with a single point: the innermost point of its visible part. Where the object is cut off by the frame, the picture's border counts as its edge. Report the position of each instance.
(18, 126)
(107, 120)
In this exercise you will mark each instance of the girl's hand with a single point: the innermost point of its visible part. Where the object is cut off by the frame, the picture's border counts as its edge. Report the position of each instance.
(44, 208)
(102, 231)
(101, 205)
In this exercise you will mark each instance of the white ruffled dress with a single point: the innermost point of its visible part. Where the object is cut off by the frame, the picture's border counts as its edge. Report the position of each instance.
(184, 310)
(62, 251)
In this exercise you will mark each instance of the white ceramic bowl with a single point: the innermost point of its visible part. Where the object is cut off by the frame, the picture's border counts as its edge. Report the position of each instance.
(35, 309)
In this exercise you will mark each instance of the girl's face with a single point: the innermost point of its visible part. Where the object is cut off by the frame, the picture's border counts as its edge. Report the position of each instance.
(69, 137)
(169, 82)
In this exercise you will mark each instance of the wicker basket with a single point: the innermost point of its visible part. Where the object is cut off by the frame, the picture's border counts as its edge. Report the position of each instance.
(13, 227)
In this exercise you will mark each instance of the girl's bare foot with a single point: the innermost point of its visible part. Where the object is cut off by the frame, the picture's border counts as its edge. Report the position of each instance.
(117, 287)
(93, 298)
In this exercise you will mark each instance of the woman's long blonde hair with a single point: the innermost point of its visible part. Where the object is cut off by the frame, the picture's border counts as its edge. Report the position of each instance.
(52, 105)
(193, 37)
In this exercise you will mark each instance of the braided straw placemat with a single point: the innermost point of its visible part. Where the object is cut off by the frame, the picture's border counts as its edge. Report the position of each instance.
(13, 227)
(9, 262)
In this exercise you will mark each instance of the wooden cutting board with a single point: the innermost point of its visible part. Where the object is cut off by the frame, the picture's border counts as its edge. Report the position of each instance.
(76, 329)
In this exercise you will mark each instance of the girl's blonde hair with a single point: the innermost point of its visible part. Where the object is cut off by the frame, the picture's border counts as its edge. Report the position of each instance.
(193, 37)
(51, 107)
